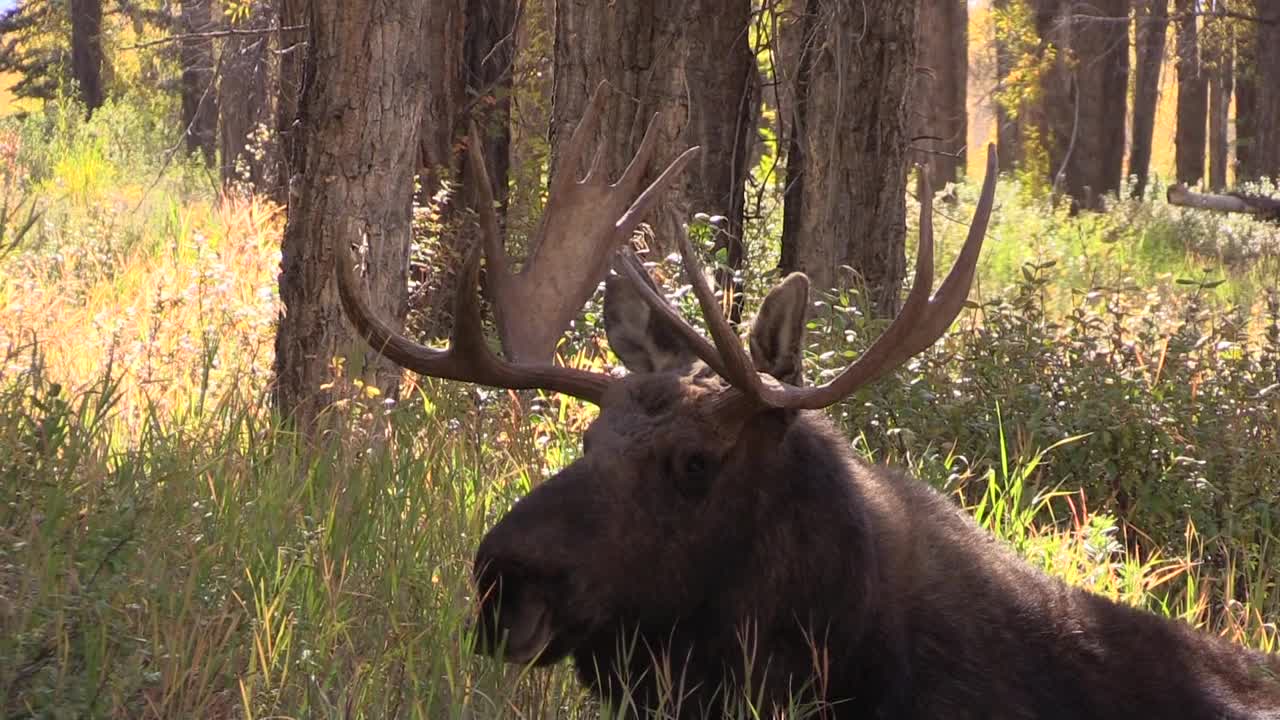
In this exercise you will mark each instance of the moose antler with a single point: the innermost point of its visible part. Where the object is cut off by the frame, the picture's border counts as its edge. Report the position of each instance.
(468, 358)
(583, 223)
(921, 322)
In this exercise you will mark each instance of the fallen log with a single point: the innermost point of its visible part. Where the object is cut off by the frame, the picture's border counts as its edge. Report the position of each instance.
(1263, 207)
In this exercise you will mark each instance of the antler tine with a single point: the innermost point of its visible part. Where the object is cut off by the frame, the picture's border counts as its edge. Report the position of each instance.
(921, 321)
(631, 218)
(582, 137)
(493, 250)
(738, 369)
(468, 358)
(634, 272)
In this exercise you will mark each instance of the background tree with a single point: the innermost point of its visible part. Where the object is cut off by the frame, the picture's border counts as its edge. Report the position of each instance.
(1085, 96)
(471, 51)
(664, 57)
(1258, 96)
(488, 56)
(847, 170)
(1151, 19)
(362, 110)
(292, 16)
(199, 95)
(246, 102)
(1008, 128)
(443, 126)
(86, 51)
(49, 43)
(1219, 65)
(940, 113)
(1193, 96)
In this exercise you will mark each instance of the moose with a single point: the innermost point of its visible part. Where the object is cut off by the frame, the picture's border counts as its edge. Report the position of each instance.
(718, 539)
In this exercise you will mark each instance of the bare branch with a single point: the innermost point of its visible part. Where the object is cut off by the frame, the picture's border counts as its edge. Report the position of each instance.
(232, 32)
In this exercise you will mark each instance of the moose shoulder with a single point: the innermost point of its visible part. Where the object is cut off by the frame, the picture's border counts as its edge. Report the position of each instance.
(718, 540)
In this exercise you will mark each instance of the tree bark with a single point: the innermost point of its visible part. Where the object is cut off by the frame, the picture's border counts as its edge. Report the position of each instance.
(246, 107)
(1193, 98)
(1264, 152)
(1085, 97)
(940, 114)
(1246, 88)
(199, 96)
(848, 167)
(471, 48)
(664, 57)
(293, 72)
(723, 112)
(488, 54)
(363, 104)
(443, 126)
(1221, 74)
(86, 52)
(1152, 18)
(1008, 128)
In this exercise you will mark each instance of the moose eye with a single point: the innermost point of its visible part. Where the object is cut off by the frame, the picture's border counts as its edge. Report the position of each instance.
(693, 479)
(695, 464)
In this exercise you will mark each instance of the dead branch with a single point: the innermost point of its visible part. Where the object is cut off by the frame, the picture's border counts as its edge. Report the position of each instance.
(233, 32)
(1263, 207)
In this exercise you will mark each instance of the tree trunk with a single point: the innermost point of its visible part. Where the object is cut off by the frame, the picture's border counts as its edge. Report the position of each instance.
(488, 53)
(664, 57)
(471, 48)
(442, 126)
(1221, 71)
(1152, 18)
(723, 111)
(939, 114)
(86, 52)
(1085, 97)
(246, 106)
(779, 91)
(1246, 87)
(362, 103)
(848, 166)
(1265, 150)
(199, 96)
(1193, 98)
(289, 121)
(1008, 127)
(473, 42)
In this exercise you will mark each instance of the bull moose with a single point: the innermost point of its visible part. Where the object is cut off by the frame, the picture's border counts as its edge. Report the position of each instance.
(718, 540)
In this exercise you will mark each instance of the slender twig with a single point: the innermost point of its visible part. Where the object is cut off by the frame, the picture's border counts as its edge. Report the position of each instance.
(212, 34)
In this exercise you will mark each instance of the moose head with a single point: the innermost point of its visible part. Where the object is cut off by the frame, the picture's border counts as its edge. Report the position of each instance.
(717, 534)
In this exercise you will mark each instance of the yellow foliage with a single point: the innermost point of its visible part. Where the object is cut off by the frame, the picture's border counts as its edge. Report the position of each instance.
(187, 312)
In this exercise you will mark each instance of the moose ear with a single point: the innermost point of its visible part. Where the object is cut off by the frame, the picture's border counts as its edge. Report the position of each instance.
(777, 335)
(642, 339)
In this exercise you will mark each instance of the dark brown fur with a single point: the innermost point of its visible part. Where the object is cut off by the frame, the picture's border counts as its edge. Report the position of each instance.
(844, 581)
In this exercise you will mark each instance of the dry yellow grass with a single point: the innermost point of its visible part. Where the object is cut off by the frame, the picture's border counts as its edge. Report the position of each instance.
(178, 317)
